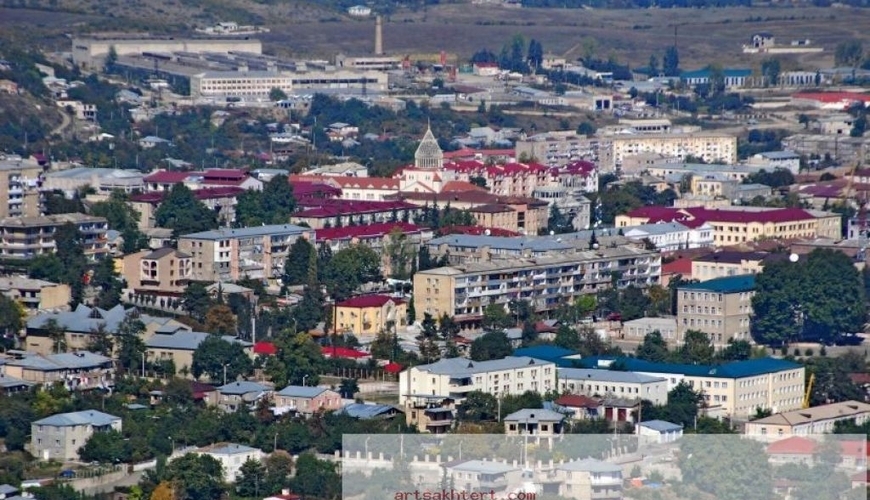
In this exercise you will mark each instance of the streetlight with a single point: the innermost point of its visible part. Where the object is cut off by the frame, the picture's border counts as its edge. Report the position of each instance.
(172, 445)
(225, 373)
(304, 378)
(367, 447)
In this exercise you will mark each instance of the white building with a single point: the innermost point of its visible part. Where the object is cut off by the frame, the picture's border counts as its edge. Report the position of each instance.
(637, 329)
(671, 236)
(359, 11)
(659, 431)
(231, 456)
(258, 84)
(455, 377)
(786, 160)
(613, 383)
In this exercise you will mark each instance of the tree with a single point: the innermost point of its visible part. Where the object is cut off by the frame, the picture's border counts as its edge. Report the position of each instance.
(251, 474)
(350, 268)
(183, 213)
(220, 320)
(196, 301)
(491, 345)
(196, 477)
(559, 223)
(819, 298)
(272, 205)
(653, 66)
(683, 403)
(108, 283)
(277, 94)
(214, 355)
(654, 348)
(399, 253)
(736, 350)
(105, 447)
(12, 316)
(69, 242)
(427, 340)
(131, 347)
(849, 53)
(733, 469)
(297, 265)
(299, 360)
(697, 348)
(770, 70)
(316, 478)
(671, 62)
(111, 60)
(163, 491)
(123, 218)
(495, 318)
(478, 407)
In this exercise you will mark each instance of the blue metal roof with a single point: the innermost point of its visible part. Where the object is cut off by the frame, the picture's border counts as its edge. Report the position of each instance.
(545, 352)
(242, 387)
(661, 426)
(298, 391)
(247, 232)
(87, 417)
(366, 411)
(726, 284)
(736, 369)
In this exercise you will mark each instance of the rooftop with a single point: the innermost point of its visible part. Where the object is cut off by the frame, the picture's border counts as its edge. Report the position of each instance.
(483, 467)
(186, 340)
(227, 449)
(369, 301)
(726, 284)
(815, 414)
(247, 232)
(298, 391)
(58, 362)
(462, 367)
(661, 426)
(87, 417)
(733, 370)
(590, 465)
(242, 387)
(529, 415)
(619, 377)
(378, 230)
(365, 411)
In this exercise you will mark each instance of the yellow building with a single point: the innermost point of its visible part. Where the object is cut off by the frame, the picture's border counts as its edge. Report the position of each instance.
(735, 225)
(731, 263)
(366, 316)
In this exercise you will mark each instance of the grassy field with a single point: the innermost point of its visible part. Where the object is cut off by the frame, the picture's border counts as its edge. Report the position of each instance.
(304, 28)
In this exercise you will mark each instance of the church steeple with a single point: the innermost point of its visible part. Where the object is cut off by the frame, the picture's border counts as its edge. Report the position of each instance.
(429, 154)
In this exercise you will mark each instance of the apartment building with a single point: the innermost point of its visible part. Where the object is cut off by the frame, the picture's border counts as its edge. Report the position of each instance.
(233, 254)
(27, 237)
(232, 457)
(379, 237)
(327, 213)
(35, 294)
(733, 389)
(735, 225)
(453, 378)
(103, 180)
(465, 290)
(809, 421)
(589, 479)
(712, 147)
(732, 263)
(612, 384)
(20, 182)
(59, 437)
(369, 315)
(556, 148)
(720, 307)
(165, 272)
(636, 329)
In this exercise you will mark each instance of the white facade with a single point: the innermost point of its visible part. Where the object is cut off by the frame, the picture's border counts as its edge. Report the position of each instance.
(612, 383)
(232, 457)
(258, 84)
(455, 377)
(672, 236)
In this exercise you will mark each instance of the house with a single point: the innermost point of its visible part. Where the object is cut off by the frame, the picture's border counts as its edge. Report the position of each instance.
(480, 475)
(77, 371)
(589, 478)
(720, 307)
(368, 315)
(238, 396)
(8, 491)
(232, 457)
(306, 400)
(369, 411)
(804, 449)
(11, 385)
(164, 272)
(359, 11)
(762, 41)
(452, 378)
(637, 329)
(731, 77)
(60, 436)
(430, 414)
(485, 69)
(612, 383)
(809, 421)
(179, 346)
(539, 423)
(659, 431)
(152, 141)
(35, 295)
(584, 407)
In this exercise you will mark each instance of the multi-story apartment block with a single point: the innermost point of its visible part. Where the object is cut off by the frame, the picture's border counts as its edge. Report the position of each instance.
(59, 437)
(326, 213)
(735, 225)
(733, 389)
(35, 294)
(672, 168)
(721, 308)
(557, 148)
(233, 254)
(613, 384)
(165, 271)
(403, 238)
(465, 290)
(27, 237)
(712, 147)
(809, 421)
(20, 183)
(731, 263)
(454, 378)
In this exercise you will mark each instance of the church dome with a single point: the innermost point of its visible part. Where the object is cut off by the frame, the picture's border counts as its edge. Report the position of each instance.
(429, 154)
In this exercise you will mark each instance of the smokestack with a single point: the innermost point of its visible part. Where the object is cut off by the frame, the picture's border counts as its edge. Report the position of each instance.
(379, 36)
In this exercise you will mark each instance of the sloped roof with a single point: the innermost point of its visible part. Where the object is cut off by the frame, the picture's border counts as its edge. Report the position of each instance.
(62, 361)
(87, 417)
(725, 284)
(186, 340)
(298, 391)
(369, 301)
(577, 401)
(534, 415)
(242, 387)
(85, 319)
(661, 426)
(428, 147)
(365, 411)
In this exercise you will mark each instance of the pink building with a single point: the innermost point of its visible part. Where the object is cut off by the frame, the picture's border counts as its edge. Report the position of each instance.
(306, 400)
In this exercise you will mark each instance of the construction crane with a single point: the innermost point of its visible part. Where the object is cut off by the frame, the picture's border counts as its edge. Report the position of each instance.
(861, 218)
(809, 391)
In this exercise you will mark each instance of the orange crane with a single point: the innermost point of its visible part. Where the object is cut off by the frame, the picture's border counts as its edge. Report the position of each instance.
(809, 391)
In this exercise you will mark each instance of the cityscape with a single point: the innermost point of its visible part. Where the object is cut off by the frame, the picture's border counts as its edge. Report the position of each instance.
(434, 250)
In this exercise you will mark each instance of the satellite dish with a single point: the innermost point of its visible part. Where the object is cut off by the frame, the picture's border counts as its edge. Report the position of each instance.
(552, 233)
(794, 257)
(487, 232)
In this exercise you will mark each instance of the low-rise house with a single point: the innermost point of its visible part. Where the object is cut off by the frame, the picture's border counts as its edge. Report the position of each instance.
(11, 385)
(369, 411)
(306, 400)
(80, 370)
(480, 475)
(589, 479)
(540, 423)
(368, 315)
(232, 456)
(179, 346)
(583, 407)
(238, 396)
(809, 421)
(59, 437)
(612, 383)
(636, 329)
(35, 294)
(659, 431)
(153, 141)
(804, 450)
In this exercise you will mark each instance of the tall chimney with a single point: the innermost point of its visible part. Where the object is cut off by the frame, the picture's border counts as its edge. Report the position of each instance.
(379, 36)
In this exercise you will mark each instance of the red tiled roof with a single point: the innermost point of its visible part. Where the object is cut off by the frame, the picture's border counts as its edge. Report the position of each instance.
(382, 183)
(577, 401)
(476, 231)
(343, 352)
(314, 189)
(832, 97)
(392, 368)
(699, 215)
(369, 301)
(321, 208)
(199, 194)
(679, 266)
(167, 177)
(860, 378)
(224, 174)
(378, 230)
(265, 348)
(792, 446)
(861, 477)
(456, 186)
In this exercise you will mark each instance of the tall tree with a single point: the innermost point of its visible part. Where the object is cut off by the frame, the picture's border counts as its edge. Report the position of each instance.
(108, 283)
(697, 348)
(215, 354)
(122, 217)
(183, 213)
(272, 205)
(69, 243)
(654, 348)
(196, 477)
(671, 62)
(350, 268)
(296, 268)
(196, 301)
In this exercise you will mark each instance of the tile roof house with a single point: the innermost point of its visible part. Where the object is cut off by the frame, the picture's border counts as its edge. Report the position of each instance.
(238, 396)
(79, 370)
(306, 400)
